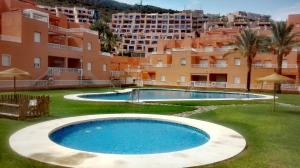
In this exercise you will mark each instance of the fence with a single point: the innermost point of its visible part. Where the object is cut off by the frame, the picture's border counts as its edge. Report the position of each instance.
(36, 84)
(24, 106)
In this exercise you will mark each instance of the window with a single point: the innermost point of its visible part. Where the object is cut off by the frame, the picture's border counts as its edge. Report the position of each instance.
(37, 37)
(237, 61)
(89, 46)
(284, 63)
(104, 67)
(268, 64)
(162, 78)
(89, 67)
(182, 79)
(183, 61)
(159, 63)
(237, 80)
(6, 60)
(37, 63)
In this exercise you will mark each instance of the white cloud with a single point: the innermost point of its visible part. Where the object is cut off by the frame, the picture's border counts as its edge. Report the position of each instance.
(282, 14)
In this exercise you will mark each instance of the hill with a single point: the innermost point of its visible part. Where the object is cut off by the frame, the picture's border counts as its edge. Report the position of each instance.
(106, 7)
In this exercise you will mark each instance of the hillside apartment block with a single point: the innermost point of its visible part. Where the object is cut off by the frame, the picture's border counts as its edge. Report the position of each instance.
(47, 46)
(74, 14)
(141, 32)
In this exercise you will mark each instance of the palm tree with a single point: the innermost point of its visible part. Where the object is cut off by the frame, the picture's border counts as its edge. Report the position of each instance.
(106, 36)
(281, 43)
(248, 43)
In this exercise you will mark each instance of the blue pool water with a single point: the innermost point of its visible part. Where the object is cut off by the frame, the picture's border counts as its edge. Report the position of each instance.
(129, 136)
(153, 94)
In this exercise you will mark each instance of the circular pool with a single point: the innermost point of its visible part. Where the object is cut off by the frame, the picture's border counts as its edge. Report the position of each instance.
(152, 95)
(127, 141)
(130, 136)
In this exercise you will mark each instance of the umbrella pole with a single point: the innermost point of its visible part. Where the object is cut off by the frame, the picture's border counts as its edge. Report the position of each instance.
(14, 85)
(274, 98)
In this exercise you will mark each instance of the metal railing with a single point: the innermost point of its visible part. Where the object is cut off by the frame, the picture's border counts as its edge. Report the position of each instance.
(55, 70)
(219, 65)
(200, 65)
(60, 46)
(284, 66)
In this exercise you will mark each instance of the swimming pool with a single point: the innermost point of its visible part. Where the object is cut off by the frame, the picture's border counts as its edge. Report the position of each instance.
(148, 95)
(209, 142)
(129, 136)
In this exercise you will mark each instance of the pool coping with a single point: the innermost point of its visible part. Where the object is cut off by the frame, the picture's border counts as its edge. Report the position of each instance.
(77, 96)
(33, 142)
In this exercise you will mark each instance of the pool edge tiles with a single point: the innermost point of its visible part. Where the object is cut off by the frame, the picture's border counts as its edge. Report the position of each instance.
(82, 96)
(223, 144)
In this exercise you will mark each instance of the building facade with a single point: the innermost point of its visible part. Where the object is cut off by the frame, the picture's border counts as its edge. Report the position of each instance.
(203, 63)
(47, 46)
(74, 14)
(141, 32)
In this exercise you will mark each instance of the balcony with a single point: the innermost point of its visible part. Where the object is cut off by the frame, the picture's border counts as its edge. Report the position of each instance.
(59, 70)
(284, 66)
(59, 46)
(200, 65)
(218, 65)
(36, 15)
(10, 38)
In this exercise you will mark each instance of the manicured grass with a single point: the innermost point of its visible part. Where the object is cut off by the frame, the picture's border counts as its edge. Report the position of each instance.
(272, 138)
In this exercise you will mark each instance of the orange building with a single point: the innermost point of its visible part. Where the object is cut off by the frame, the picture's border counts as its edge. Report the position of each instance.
(202, 62)
(47, 46)
(127, 69)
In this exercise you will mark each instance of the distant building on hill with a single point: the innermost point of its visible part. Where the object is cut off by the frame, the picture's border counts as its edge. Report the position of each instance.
(74, 14)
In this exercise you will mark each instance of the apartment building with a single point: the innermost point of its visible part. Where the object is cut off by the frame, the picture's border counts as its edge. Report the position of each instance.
(202, 62)
(74, 14)
(141, 32)
(243, 19)
(47, 46)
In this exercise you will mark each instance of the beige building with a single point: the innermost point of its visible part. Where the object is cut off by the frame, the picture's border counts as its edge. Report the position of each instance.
(141, 32)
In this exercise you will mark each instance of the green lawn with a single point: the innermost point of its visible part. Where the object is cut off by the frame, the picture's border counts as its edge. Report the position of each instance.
(273, 137)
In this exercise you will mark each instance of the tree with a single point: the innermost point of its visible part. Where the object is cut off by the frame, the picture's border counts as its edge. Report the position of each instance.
(248, 43)
(282, 42)
(107, 38)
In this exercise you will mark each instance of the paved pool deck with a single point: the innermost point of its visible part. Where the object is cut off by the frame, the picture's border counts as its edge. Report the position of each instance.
(33, 142)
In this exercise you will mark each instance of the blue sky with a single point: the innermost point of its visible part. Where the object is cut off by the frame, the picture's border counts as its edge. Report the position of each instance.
(278, 9)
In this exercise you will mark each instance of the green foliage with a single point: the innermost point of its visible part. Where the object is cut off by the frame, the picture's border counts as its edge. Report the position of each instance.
(106, 7)
(248, 45)
(107, 38)
(282, 42)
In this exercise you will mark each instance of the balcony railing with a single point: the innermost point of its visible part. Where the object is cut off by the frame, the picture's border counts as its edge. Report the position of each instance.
(56, 70)
(284, 66)
(72, 30)
(219, 65)
(200, 65)
(10, 38)
(83, 30)
(59, 46)
(57, 28)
